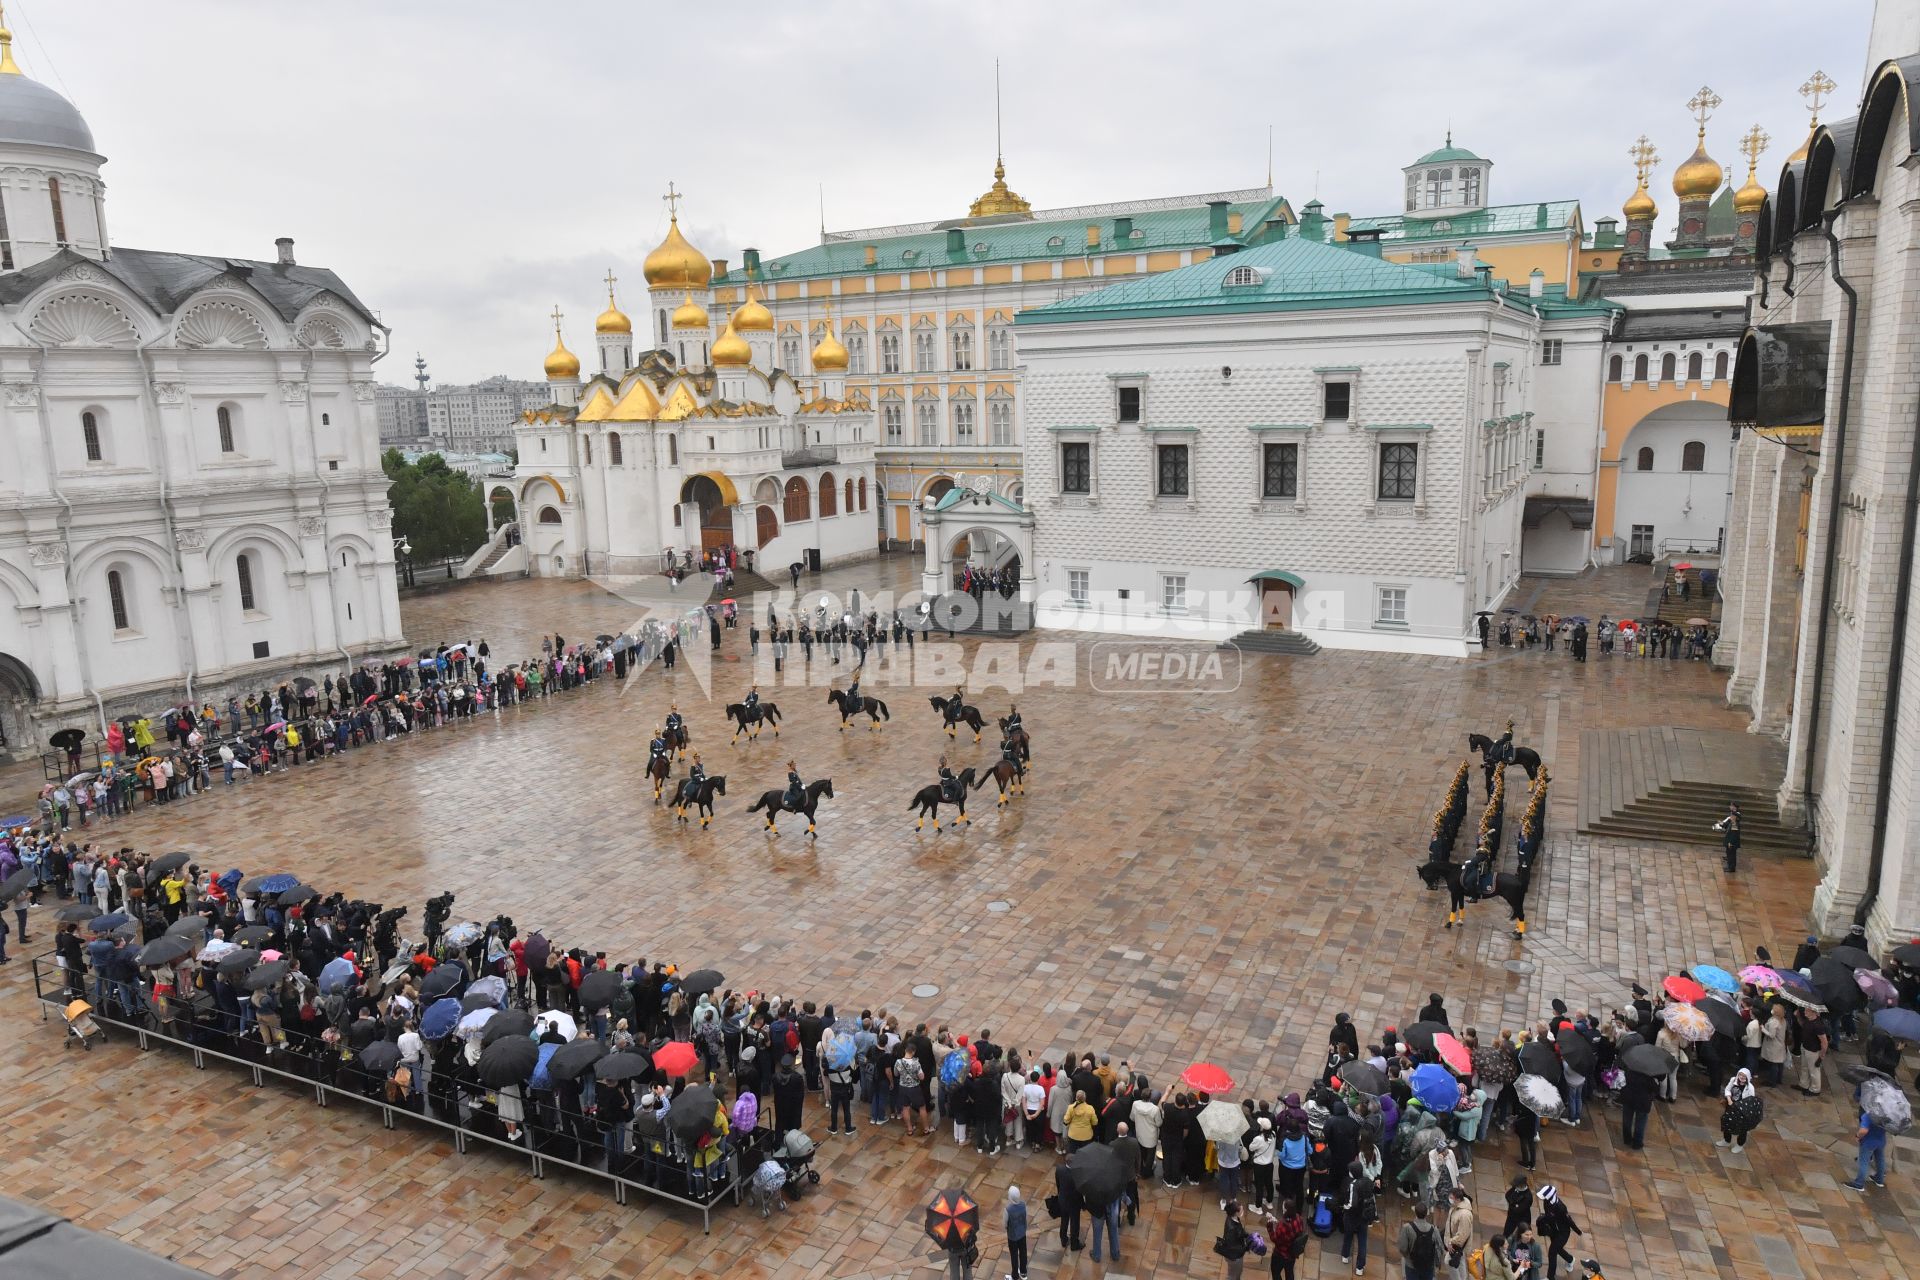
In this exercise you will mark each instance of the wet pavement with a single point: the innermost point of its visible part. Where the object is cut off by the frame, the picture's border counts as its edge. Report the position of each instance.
(1205, 868)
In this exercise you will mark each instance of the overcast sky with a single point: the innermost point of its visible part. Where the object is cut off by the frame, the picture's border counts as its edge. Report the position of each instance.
(466, 164)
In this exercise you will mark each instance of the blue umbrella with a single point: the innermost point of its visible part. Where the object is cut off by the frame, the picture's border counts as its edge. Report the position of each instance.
(954, 1066)
(840, 1051)
(1713, 977)
(337, 976)
(1901, 1024)
(108, 923)
(230, 881)
(277, 883)
(1435, 1086)
(18, 820)
(1798, 981)
(440, 1019)
(540, 1078)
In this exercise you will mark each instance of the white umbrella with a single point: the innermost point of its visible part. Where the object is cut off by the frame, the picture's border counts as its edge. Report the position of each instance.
(395, 971)
(562, 1021)
(1883, 1100)
(474, 1023)
(1222, 1121)
(1540, 1096)
(215, 949)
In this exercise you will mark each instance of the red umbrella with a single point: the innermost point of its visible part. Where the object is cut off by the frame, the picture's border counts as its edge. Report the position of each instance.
(1207, 1078)
(1453, 1053)
(953, 1219)
(403, 662)
(1684, 989)
(676, 1057)
(1683, 566)
(371, 699)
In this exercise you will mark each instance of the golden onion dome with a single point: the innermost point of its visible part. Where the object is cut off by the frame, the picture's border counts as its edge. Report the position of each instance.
(1640, 206)
(690, 315)
(829, 354)
(1700, 177)
(1750, 197)
(676, 264)
(562, 365)
(731, 351)
(612, 320)
(753, 317)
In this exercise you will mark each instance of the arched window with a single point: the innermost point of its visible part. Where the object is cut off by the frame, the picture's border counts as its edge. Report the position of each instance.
(829, 498)
(549, 516)
(863, 493)
(243, 571)
(117, 596)
(326, 419)
(1668, 367)
(1615, 368)
(848, 505)
(1693, 456)
(1640, 368)
(59, 214)
(587, 441)
(1720, 366)
(90, 433)
(614, 458)
(673, 451)
(799, 501)
(1644, 462)
(224, 416)
(1242, 275)
(1695, 361)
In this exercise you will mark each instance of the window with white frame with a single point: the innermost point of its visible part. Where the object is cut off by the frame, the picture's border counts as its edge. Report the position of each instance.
(1280, 470)
(1550, 349)
(1470, 186)
(1000, 420)
(1077, 587)
(243, 575)
(1173, 592)
(892, 414)
(1170, 471)
(889, 353)
(1000, 347)
(1129, 402)
(856, 351)
(790, 352)
(1499, 393)
(963, 422)
(1390, 606)
(1539, 448)
(117, 599)
(923, 349)
(1336, 400)
(962, 340)
(1076, 467)
(90, 435)
(926, 414)
(1439, 187)
(1399, 479)
(225, 419)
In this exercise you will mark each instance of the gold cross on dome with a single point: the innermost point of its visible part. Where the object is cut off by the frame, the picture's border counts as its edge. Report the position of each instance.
(557, 317)
(673, 199)
(612, 280)
(1814, 92)
(1701, 105)
(1644, 157)
(1752, 144)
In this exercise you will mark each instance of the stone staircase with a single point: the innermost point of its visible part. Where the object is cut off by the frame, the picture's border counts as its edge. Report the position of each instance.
(1672, 785)
(1699, 604)
(1263, 641)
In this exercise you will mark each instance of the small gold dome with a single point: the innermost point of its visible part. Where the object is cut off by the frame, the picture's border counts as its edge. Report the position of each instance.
(1640, 206)
(753, 317)
(1750, 197)
(676, 264)
(1700, 177)
(829, 354)
(562, 365)
(690, 315)
(731, 351)
(612, 320)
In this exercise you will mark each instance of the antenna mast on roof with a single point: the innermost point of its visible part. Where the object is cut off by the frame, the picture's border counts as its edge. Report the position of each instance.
(1269, 159)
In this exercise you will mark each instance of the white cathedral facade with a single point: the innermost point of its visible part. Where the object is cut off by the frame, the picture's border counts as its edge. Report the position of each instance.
(191, 499)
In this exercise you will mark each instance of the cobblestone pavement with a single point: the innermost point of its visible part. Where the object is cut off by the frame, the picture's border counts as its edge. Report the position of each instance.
(1208, 876)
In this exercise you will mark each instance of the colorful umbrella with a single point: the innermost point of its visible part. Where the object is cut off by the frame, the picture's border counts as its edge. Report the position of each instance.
(1687, 1022)
(1540, 1097)
(1802, 997)
(676, 1058)
(1713, 977)
(1683, 988)
(1761, 976)
(1207, 1078)
(1880, 993)
(1435, 1086)
(441, 1017)
(1453, 1053)
(953, 1219)
(1494, 1067)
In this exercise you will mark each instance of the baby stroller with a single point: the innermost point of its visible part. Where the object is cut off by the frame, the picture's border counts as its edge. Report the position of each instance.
(795, 1152)
(81, 1026)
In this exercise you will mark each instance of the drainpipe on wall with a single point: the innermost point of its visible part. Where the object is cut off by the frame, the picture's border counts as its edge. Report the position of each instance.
(66, 538)
(326, 502)
(150, 411)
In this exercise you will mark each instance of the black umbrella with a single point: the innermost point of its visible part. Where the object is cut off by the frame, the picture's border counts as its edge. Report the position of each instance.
(188, 927)
(165, 950)
(1836, 987)
(616, 1066)
(507, 1022)
(75, 913)
(1860, 1073)
(1854, 958)
(1097, 1170)
(598, 989)
(381, 1056)
(691, 1118)
(441, 982)
(603, 639)
(1648, 1060)
(304, 684)
(1907, 954)
(1419, 1036)
(251, 934)
(575, 1058)
(1725, 1018)
(508, 1061)
(235, 963)
(270, 974)
(1363, 1077)
(298, 894)
(165, 863)
(251, 885)
(1538, 1058)
(1743, 1117)
(16, 884)
(1576, 1051)
(701, 981)
(477, 1000)
(537, 950)
(68, 739)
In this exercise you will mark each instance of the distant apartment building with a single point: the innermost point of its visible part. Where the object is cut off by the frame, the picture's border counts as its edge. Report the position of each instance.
(475, 418)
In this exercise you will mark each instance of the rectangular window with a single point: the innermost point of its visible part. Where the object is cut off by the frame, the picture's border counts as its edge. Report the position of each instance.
(1280, 471)
(260, 649)
(1173, 592)
(1336, 401)
(1499, 393)
(927, 422)
(1470, 186)
(1539, 448)
(923, 351)
(1550, 350)
(224, 417)
(1077, 586)
(90, 432)
(6, 239)
(889, 353)
(1129, 404)
(963, 348)
(1392, 607)
(1000, 419)
(244, 571)
(1171, 470)
(1399, 472)
(117, 592)
(1076, 468)
(963, 422)
(1439, 187)
(790, 354)
(856, 353)
(59, 214)
(892, 414)
(999, 345)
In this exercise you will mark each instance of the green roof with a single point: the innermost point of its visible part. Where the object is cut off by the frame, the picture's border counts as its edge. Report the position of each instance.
(1446, 153)
(959, 494)
(1720, 215)
(1494, 220)
(1015, 240)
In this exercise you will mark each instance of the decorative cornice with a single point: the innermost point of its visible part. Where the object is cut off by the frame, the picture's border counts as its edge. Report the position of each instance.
(22, 395)
(44, 554)
(190, 539)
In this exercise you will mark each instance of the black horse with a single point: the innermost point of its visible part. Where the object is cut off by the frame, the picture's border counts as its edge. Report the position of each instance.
(677, 740)
(954, 711)
(748, 719)
(848, 707)
(1438, 872)
(1526, 757)
(700, 795)
(1020, 739)
(1011, 777)
(775, 802)
(658, 768)
(928, 800)
(1512, 890)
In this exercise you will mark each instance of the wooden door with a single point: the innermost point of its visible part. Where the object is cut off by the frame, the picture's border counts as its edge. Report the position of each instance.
(1276, 606)
(768, 526)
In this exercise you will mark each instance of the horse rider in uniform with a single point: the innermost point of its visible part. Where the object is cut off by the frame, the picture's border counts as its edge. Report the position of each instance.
(696, 774)
(949, 784)
(796, 794)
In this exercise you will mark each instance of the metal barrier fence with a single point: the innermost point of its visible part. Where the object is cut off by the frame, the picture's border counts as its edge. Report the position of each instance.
(55, 996)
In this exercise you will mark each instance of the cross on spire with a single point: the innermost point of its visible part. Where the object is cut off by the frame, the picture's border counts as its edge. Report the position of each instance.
(1814, 93)
(673, 199)
(1752, 143)
(1644, 157)
(1701, 106)
(557, 318)
(612, 280)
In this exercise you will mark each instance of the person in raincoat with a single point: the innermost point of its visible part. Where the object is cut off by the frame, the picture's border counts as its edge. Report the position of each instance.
(1741, 1114)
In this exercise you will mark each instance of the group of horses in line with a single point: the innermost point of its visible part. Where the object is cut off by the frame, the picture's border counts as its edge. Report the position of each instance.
(1469, 881)
(1009, 775)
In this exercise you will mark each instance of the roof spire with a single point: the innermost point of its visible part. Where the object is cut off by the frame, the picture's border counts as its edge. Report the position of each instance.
(672, 200)
(999, 156)
(611, 281)
(998, 199)
(8, 67)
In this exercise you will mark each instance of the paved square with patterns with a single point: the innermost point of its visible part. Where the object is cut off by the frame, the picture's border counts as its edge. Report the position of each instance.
(1190, 877)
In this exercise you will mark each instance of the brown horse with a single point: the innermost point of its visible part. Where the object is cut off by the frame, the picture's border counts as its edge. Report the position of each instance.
(1011, 777)
(1022, 742)
(659, 768)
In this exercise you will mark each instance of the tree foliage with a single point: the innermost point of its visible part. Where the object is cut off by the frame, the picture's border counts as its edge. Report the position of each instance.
(435, 508)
